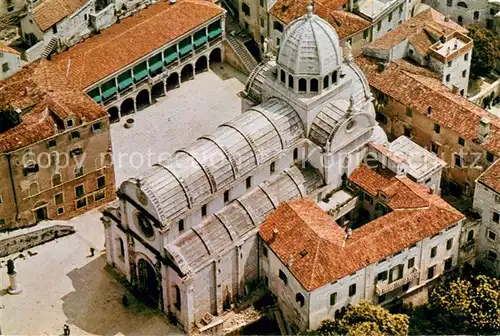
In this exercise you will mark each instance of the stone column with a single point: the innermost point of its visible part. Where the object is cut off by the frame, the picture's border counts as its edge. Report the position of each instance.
(108, 242)
(14, 287)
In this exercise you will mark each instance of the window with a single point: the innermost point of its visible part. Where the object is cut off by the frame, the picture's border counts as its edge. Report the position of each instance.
(54, 29)
(476, 15)
(326, 82)
(5, 67)
(462, 92)
(489, 157)
(82, 202)
(290, 81)
(334, 77)
(314, 85)
(435, 148)
(79, 191)
(283, 277)
(248, 182)
(352, 290)
(278, 26)
(76, 152)
(1, 200)
(204, 210)
(497, 199)
(56, 179)
(407, 132)
(69, 123)
(333, 299)
(496, 217)
(382, 276)
(449, 3)
(295, 154)
(396, 273)
(470, 236)
(59, 199)
(460, 19)
(262, 22)
(51, 144)
(466, 57)
(458, 161)
(177, 303)
(379, 26)
(2, 221)
(461, 141)
(411, 263)
(272, 168)
(282, 76)
(430, 272)
(31, 168)
(369, 199)
(382, 298)
(302, 85)
(433, 251)
(181, 225)
(448, 77)
(450, 63)
(381, 118)
(437, 128)
(405, 287)
(60, 211)
(409, 112)
(226, 196)
(390, 17)
(492, 256)
(78, 171)
(449, 244)
(264, 251)
(245, 9)
(492, 235)
(300, 299)
(429, 110)
(74, 135)
(464, 73)
(366, 34)
(97, 127)
(101, 182)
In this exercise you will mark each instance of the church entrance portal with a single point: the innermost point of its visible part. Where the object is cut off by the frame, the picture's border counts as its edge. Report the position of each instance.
(148, 281)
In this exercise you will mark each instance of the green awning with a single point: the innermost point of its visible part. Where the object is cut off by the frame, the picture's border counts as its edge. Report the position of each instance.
(95, 95)
(140, 71)
(170, 58)
(124, 80)
(199, 41)
(108, 90)
(214, 33)
(155, 63)
(185, 46)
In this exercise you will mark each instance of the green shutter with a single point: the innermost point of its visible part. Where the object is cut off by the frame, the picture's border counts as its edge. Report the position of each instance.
(96, 95)
(108, 89)
(200, 38)
(124, 80)
(185, 46)
(155, 63)
(140, 71)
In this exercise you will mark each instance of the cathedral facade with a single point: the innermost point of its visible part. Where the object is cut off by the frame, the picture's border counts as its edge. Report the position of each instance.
(185, 233)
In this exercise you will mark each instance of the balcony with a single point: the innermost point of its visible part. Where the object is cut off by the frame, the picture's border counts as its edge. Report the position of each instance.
(468, 246)
(381, 289)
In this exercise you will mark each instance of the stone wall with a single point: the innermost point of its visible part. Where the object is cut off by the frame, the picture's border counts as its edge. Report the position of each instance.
(28, 240)
(232, 59)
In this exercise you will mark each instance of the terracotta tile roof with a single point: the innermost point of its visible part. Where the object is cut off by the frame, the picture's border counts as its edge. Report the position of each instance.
(491, 177)
(44, 98)
(415, 87)
(345, 23)
(50, 12)
(310, 243)
(132, 38)
(6, 49)
(422, 31)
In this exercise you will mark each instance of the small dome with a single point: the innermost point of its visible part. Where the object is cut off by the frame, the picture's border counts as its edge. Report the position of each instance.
(310, 46)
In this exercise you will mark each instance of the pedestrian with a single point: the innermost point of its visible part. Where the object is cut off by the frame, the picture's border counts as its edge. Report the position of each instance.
(66, 330)
(92, 251)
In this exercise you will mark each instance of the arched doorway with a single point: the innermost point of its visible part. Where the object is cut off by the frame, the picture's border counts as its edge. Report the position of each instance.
(173, 81)
(201, 65)
(114, 115)
(158, 90)
(187, 73)
(148, 281)
(215, 56)
(142, 100)
(127, 107)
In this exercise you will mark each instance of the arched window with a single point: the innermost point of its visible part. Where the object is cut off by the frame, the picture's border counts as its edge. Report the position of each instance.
(302, 85)
(278, 26)
(326, 82)
(56, 179)
(460, 19)
(245, 9)
(122, 247)
(300, 299)
(476, 15)
(314, 85)
(462, 4)
(334, 77)
(295, 154)
(290, 81)
(177, 303)
(34, 189)
(470, 235)
(282, 76)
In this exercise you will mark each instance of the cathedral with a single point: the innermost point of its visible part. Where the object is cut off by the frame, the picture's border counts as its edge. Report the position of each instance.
(186, 233)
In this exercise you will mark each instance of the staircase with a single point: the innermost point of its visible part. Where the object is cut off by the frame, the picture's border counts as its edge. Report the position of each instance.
(49, 47)
(243, 54)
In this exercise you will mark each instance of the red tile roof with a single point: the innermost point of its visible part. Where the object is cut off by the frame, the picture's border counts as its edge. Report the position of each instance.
(6, 49)
(311, 244)
(50, 12)
(345, 23)
(417, 88)
(491, 177)
(44, 98)
(134, 37)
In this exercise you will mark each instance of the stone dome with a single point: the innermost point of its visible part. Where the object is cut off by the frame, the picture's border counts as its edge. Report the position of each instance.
(310, 46)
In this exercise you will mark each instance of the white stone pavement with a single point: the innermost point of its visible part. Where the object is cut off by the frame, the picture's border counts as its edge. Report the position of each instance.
(62, 283)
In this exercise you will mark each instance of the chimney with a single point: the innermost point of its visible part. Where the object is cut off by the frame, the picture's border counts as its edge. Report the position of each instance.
(290, 261)
(275, 231)
(484, 129)
(455, 89)
(56, 130)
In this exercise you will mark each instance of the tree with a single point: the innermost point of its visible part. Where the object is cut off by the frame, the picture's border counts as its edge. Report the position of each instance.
(486, 52)
(366, 319)
(473, 304)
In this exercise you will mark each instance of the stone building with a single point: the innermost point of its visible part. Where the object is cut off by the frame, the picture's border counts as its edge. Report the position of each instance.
(487, 202)
(10, 61)
(185, 233)
(10, 7)
(124, 75)
(317, 266)
(55, 147)
(412, 100)
(469, 12)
